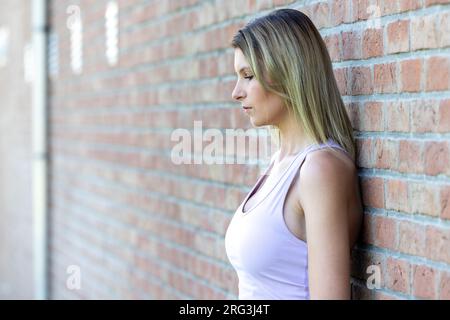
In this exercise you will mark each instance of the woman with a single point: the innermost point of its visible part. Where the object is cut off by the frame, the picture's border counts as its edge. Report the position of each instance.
(291, 238)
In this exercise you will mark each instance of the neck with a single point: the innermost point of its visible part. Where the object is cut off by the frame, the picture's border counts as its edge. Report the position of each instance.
(292, 138)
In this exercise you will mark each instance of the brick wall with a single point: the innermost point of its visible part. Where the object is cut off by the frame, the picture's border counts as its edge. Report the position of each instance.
(138, 226)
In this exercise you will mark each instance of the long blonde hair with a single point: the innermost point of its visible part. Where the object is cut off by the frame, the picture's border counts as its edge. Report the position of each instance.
(285, 47)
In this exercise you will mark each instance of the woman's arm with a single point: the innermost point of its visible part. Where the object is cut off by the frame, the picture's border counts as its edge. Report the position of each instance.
(325, 182)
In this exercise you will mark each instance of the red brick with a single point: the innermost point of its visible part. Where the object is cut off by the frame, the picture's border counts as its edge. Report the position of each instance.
(424, 34)
(341, 80)
(444, 197)
(410, 73)
(398, 36)
(437, 158)
(397, 116)
(424, 117)
(423, 198)
(386, 154)
(365, 153)
(407, 5)
(389, 7)
(373, 192)
(360, 81)
(444, 29)
(372, 117)
(321, 14)
(438, 243)
(424, 282)
(385, 79)
(398, 275)
(354, 114)
(411, 238)
(351, 45)
(444, 116)
(360, 9)
(372, 43)
(340, 12)
(397, 195)
(433, 2)
(385, 231)
(410, 156)
(444, 285)
(332, 43)
(438, 69)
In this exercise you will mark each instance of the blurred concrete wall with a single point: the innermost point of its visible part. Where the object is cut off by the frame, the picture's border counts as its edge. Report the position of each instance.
(16, 276)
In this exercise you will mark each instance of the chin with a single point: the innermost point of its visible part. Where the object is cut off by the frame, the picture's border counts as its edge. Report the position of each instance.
(259, 123)
(256, 123)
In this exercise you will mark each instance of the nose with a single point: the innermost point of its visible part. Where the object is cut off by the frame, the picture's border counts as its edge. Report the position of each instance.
(238, 93)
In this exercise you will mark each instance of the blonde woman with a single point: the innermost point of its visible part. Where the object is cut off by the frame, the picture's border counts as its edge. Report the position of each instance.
(291, 237)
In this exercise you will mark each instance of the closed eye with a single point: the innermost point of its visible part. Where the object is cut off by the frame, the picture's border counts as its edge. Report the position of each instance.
(249, 77)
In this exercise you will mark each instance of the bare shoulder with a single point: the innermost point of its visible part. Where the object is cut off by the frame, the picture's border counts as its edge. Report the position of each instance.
(326, 180)
(325, 172)
(329, 162)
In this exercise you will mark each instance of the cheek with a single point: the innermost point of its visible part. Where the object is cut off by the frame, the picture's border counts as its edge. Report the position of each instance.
(274, 105)
(256, 91)
(267, 105)
(277, 112)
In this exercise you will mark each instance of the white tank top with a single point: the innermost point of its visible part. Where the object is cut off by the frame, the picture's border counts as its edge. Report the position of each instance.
(270, 261)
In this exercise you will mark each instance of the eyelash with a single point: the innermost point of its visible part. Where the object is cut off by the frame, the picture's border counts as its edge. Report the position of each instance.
(249, 77)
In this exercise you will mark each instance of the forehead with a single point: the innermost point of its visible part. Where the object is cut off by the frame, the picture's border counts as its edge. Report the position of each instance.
(240, 63)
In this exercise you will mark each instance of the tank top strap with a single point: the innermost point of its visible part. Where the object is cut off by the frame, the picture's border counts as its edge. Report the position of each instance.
(300, 158)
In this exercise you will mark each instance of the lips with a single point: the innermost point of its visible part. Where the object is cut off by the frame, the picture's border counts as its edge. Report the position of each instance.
(246, 108)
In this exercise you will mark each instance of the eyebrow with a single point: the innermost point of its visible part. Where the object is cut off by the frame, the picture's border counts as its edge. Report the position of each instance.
(243, 68)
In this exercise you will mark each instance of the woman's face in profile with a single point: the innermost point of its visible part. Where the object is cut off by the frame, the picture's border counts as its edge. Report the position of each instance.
(263, 107)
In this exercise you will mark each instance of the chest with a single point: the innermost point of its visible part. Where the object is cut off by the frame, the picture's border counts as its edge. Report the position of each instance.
(292, 212)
